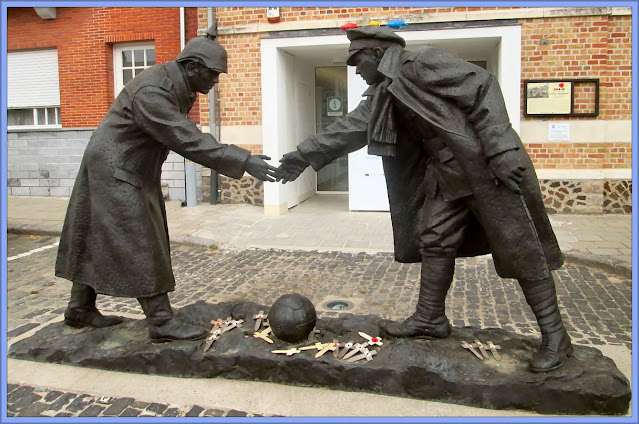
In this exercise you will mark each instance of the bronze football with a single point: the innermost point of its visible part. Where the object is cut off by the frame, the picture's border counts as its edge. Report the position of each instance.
(292, 317)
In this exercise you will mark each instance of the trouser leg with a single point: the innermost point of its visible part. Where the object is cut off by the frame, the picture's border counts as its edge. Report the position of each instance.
(555, 344)
(429, 319)
(444, 224)
(163, 325)
(82, 312)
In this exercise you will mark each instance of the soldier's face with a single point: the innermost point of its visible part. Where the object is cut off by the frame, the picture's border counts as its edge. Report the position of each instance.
(366, 63)
(202, 79)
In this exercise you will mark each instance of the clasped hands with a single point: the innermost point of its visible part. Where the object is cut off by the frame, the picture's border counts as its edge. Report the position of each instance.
(292, 165)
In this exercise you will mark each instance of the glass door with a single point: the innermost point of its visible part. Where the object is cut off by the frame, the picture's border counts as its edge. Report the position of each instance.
(331, 103)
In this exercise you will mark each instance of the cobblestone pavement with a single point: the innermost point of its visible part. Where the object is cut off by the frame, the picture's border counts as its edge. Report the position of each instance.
(596, 305)
(27, 401)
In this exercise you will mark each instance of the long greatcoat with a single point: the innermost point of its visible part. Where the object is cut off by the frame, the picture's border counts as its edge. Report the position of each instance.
(115, 237)
(464, 105)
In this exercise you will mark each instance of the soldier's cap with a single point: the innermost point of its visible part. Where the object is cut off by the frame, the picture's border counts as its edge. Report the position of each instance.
(368, 37)
(206, 50)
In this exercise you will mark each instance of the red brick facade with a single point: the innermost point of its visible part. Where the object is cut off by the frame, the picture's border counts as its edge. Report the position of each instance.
(84, 38)
(583, 46)
(556, 43)
(580, 155)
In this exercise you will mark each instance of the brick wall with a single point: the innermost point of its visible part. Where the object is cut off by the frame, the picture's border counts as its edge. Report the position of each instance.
(583, 47)
(577, 47)
(577, 43)
(84, 38)
(580, 155)
(247, 15)
(45, 163)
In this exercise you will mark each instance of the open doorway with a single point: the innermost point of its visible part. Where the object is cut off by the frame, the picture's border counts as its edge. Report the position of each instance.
(292, 66)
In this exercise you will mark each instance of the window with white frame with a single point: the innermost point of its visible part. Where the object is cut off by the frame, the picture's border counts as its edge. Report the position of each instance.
(129, 60)
(33, 89)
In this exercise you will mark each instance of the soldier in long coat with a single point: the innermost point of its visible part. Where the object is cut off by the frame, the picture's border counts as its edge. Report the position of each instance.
(459, 180)
(115, 238)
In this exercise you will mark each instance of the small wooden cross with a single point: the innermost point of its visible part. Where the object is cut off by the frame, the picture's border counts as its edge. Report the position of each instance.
(311, 335)
(287, 352)
(494, 348)
(470, 347)
(358, 347)
(366, 354)
(348, 346)
(329, 346)
(480, 346)
(337, 346)
(371, 340)
(231, 324)
(317, 345)
(259, 319)
(263, 335)
(213, 336)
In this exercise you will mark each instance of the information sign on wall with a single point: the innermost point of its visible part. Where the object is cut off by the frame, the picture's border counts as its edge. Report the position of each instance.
(566, 97)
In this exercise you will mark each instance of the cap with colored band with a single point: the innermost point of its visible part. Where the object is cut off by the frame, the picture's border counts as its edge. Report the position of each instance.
(370, 36)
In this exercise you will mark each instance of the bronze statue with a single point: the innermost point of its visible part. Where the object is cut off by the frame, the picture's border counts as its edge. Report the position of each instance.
(460, 182)
(115, 238)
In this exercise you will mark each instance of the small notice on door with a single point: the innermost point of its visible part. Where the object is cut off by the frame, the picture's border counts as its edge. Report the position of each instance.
(335, 106)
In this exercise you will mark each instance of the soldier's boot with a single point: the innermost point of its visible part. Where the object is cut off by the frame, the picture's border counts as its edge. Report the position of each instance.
(429, 319)
(163, 325)
(555, 342)
(82, 312)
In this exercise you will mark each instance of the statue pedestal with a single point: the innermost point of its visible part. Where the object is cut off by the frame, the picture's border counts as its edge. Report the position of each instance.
(438, 370)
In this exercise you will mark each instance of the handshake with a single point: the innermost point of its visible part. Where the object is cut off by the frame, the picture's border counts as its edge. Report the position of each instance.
(293, 164)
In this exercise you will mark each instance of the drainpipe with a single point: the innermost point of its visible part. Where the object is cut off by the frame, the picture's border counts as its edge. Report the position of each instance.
(212, 124)
(189, 166)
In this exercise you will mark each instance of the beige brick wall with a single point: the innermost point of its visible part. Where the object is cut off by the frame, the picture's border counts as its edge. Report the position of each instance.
(583, 47)
(577, 43)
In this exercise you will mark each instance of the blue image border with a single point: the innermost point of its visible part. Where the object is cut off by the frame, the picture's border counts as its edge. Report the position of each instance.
(345, 3)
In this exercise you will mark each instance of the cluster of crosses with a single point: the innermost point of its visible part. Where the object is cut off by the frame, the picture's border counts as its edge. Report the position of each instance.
(349, 352)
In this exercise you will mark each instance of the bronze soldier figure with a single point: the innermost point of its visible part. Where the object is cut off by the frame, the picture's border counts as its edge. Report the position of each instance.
(460, 182)
(115, 238)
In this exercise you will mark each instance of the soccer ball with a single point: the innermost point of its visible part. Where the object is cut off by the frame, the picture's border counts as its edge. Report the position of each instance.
(292, 317)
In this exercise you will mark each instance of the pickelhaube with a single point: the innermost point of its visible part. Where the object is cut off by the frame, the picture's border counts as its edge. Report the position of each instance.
(207, 50)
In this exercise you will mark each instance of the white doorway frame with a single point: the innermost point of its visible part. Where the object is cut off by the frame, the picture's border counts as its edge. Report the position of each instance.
(274, 119)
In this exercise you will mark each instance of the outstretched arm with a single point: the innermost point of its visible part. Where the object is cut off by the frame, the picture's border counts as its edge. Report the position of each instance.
(342, 137)
(155, 113)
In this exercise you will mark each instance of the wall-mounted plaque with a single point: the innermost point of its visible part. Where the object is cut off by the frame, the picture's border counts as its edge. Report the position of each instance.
(569, 97)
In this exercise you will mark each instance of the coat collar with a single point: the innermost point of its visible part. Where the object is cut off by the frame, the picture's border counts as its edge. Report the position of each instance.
(185, 96)
(389, 66)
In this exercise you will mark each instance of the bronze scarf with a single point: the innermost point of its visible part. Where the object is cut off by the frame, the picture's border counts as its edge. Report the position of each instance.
(382, 128)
